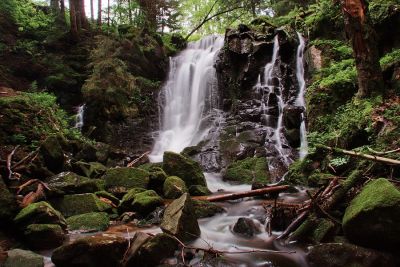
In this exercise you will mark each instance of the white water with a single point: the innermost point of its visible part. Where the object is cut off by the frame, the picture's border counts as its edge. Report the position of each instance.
(300, 97)
(188, 97)
(79, 117)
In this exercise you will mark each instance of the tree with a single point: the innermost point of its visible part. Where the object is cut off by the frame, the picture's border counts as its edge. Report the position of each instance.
(99, 12)
(91, 11)
(150, 9)
(363, 39)
(78, 18)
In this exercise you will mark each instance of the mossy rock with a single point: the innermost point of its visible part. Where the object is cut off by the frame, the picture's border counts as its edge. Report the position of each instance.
(53, 154)
(89, 169)
(44, 236)
(187, 169)
(109, 196)
(71, 205)
(71, 183)
(8, 204)
(120, 180)
(40, 213)
(373, 217)
(205, 209)
(157, 179)
(93, 221)
(128, 198)
(199, 190)
(23, 258)
(174, 187)
(323, 231)
(147, 201)
(248, 171)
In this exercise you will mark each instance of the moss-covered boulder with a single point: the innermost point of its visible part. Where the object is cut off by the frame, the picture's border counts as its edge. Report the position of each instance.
(71, 205)
(157, 179)
(53, 154)
(44, 236)
(120, 180)
(93, 221)
(145, 202)
(248, 171)
(187, 169)
(8, 204)
(373, 217)
(199, 190)
(71, 183)
(174, 187)
(204, 209)
(23, 258)
(128, 198)
(108, 196)
(94, 251)
(40, 213)
(89, 169)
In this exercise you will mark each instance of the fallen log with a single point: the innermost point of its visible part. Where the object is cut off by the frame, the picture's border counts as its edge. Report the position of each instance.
(251, 193)
(361, 155)
(141, 159)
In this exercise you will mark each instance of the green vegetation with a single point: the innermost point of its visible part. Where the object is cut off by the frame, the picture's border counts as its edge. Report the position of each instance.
(390, 58)
(247, 171)
(94, 221)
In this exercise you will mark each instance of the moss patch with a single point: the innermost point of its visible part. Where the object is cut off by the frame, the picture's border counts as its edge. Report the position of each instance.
(248, 170)
(120, 180)
(174, 187)
(93, 221)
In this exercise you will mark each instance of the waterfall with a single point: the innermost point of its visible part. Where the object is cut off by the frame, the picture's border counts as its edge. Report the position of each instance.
(300, 97)
(188, 98)
(79, 117)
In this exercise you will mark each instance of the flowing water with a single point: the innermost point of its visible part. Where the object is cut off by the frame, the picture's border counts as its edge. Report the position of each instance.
(79, 117)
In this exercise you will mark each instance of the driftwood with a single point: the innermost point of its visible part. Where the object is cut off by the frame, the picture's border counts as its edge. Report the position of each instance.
(139, 160)
(251, 193)
(361, 155)
(8, 163)
(383, 152)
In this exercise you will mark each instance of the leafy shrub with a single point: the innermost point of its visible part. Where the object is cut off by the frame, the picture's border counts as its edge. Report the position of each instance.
(390, 58)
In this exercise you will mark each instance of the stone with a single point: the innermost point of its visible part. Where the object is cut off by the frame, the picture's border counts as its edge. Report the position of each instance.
(8, 204)
(94, 251)
(23, 258)
(40, 213)
(248, 171)
(137, 241)
(179, 219)
(174, 187)
(71, 183)
(372, 218)
(185, 168)
(44, 236)
(109, 196)
(204, 209)
(347, 255)
(53, 154)
(157, 179)
(120, 180)
(199, 190)
(93, 221)
(71, 205)
(147, 201)
(153, 251)
(89, 169)
(246, 227)
(128, 198)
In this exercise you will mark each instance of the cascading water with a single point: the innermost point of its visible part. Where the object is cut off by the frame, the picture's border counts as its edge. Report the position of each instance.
(188, 98)
(300, 98)
(79, 117)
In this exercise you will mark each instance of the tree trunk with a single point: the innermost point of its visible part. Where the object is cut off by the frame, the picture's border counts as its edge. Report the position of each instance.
(55, 7)
(130, 11)
(83, 19)
(73, 21)
(61, 15)
(108, 13)
(363, 39)
(99, 13)
(91, 11)
(150, 10)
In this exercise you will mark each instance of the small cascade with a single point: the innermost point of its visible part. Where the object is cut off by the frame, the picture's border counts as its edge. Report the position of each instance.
(79, 117)
(300, 97)
(189, 98)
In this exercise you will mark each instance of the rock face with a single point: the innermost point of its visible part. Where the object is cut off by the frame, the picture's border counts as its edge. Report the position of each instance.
(71, 183)
(185, 168)
(53, 154)
(179, 219)
(44, 236)
(174, 187)
(120, 180)
(93, 221)
(96, 251)
(373, 217)
(23, 258)
(347, 255)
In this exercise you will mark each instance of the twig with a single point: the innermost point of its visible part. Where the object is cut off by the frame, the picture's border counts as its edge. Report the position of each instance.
(25, 158)
(296, 223)
(9, 159)
(383, 152)
(133, 162)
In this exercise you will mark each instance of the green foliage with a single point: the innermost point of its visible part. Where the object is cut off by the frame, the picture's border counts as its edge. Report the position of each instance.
(248, 171)
(322, 12)
(390, 58)
(339, 161)
(382, 9)
(333, 49)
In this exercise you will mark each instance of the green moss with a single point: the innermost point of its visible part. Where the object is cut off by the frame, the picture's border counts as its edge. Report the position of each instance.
(120, 180)
(97, 221)
(390, 58)
(380, 10)
(174, 187)
(107, 195)
(248, 171)
(8, 204)
(323, 230)
(199, 190)
(39, 213)
(146, 202)
(204, 209)
(71, 183)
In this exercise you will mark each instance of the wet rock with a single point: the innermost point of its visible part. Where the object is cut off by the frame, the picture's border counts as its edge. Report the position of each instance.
(199, 190)
(108, 196)
(89, 169)
(179, 219)
(8, 204)
(293, 137)
(157, 179)
(292, 116)
(187, 169)
(94, 251)
(71, 183)
(373, 217)
(174, 187)
(204, 209)
(152, 251)
(248, 171)
(53, 154)
(141, 201)
(347, 255)
(23, 258)
(245, 227)
(44, 236)
(40, 213)
(120, 180)
(128, 198)
(136, 243)
(93, 221)
(71, 205)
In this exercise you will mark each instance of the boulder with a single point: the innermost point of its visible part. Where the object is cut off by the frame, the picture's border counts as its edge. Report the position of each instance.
(140, 200)
(120, 180)
(204, 209)
(153, 251)
(347, 255)
(71, 183)
(174, 187)
(199, 190)
(94, 251)
(246, 227)
(136, 243)
(157, 179)
(128, 198)
(71, 205)
(179, 219)
(248, 171)
(8, 204)
(23, 258)
(89, 169)
(93, 221)
(40, 213)
(44, 236)
(108, 196)
(187, 169)
(53, 154)
(373, 217)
